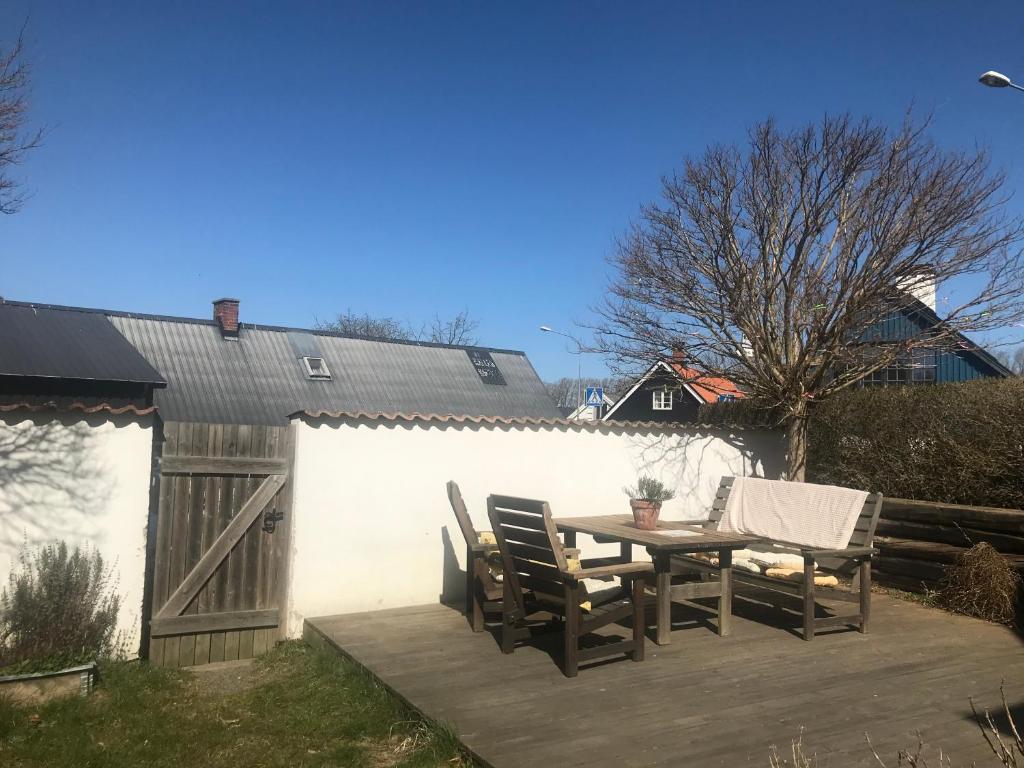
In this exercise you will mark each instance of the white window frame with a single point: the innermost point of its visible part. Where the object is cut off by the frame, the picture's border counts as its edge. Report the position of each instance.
(324, 372)
(665, 396)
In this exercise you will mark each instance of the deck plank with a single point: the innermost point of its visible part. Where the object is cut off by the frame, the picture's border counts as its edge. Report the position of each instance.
(704, 700)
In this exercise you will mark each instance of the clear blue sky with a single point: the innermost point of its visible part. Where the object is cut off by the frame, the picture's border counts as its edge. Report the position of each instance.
(413, 159)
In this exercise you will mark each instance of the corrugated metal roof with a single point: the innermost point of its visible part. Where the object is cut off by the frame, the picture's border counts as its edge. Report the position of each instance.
(520, 421)
(259, 379)
(47, 342)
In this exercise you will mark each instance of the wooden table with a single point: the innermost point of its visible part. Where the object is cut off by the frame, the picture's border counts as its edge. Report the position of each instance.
(661, 545)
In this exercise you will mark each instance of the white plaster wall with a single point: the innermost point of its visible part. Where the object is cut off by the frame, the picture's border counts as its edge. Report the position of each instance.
(373, 528)
(83, 479)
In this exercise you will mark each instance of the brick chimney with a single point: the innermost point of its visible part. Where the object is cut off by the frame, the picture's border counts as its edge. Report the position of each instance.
(225, 312)
(678, 354)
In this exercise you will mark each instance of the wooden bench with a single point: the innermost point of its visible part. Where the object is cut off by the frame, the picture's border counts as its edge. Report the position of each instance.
(852, 562)
(537, 579)
(483, 591)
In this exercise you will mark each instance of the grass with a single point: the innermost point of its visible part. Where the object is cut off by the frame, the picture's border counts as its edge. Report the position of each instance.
(294, 707)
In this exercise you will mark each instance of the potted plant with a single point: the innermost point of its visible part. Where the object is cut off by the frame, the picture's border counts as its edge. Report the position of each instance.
(646, 500)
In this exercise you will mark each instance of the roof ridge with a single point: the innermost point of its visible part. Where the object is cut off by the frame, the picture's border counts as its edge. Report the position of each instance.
(254, 326)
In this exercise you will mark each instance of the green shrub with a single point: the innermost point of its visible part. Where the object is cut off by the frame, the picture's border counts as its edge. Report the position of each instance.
(954, 443)
(59, 609)
(649, 489)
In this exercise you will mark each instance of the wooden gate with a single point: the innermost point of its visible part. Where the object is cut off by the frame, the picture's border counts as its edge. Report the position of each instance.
(220, 566)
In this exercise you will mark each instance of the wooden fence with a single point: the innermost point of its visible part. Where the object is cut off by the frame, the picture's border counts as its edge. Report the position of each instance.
(220, 566)
(919, 539)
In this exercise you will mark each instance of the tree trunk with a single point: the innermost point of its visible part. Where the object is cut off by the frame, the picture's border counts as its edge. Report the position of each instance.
(796, 444)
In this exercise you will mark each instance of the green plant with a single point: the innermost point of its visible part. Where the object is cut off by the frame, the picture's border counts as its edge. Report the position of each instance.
(59, 609)
(649, 489)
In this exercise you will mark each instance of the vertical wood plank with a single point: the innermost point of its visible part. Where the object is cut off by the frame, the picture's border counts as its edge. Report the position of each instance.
(250, 546)
(262, 637)
(235, 560)
(179, 536)
(211, 493)
(163, 532)
(230, 646)
(225, 504)
(280, 564)
(194, 540)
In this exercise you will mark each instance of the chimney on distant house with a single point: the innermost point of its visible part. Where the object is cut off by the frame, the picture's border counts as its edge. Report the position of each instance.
(678, 354)
(921, 284)
(225, 312)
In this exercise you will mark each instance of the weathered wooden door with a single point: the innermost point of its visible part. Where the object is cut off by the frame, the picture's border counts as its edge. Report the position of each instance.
(223, 525)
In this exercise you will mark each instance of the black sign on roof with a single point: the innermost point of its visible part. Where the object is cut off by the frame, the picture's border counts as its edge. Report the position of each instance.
(485, 366)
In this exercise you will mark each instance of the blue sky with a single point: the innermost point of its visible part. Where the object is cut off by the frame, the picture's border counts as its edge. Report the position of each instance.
(413, 159)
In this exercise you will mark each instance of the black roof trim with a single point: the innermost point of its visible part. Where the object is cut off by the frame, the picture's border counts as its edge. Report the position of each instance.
(255, 326)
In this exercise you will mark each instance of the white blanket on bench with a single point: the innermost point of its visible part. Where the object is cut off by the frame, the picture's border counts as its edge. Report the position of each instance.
(819, 516)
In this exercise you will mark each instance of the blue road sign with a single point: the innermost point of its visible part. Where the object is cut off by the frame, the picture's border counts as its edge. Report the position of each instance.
(595, 397)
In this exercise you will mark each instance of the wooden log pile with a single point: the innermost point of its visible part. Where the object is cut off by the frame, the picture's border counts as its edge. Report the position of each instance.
(919, 539)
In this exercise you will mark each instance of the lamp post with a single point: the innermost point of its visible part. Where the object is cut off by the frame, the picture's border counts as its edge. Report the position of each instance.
(995, 79)
(579, 361)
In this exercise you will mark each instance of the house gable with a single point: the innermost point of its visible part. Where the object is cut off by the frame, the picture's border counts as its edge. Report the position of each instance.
(638, 404)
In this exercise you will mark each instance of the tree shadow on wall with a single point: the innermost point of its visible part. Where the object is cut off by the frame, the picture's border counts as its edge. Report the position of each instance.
(689, 456)
(52, 485)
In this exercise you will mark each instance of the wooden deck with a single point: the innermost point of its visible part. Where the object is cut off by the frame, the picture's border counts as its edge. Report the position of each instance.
(704, 700)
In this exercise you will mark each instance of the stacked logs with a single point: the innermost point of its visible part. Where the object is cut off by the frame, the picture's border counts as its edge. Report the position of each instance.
(919, 539)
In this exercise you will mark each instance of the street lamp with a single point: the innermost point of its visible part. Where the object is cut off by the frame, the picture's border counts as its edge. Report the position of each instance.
(995, 79)
(579, 361)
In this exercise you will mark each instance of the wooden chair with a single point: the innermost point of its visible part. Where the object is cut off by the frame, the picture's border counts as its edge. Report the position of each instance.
(483, 591)
(534, 561)
(853, 561)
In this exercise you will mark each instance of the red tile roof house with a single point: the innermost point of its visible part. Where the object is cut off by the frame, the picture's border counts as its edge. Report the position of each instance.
(670, 392)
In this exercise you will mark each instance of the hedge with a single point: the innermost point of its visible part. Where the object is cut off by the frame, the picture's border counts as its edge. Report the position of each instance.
(956, 443)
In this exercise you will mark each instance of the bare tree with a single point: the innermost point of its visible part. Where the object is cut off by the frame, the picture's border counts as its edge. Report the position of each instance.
(15, 141)
(563, 391)
(366, 325)
(774, 265)
(1013, 360)
(459, 330)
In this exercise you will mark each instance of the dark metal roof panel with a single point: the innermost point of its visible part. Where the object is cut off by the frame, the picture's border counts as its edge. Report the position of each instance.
(57, 343)
(259, 379)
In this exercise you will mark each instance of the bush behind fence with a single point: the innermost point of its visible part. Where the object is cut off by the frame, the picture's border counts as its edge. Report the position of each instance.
(952, 443)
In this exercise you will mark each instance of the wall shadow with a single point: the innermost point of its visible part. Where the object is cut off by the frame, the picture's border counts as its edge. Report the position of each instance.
(693, 459)
(53, 485)
(453, 577)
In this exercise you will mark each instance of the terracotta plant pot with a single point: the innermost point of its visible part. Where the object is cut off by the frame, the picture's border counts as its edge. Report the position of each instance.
(645, 513)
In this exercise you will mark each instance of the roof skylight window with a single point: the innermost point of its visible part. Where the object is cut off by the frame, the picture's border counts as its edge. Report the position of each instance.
(316, 368)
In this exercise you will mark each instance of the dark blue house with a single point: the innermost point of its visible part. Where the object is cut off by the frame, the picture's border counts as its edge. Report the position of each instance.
(962, 361)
